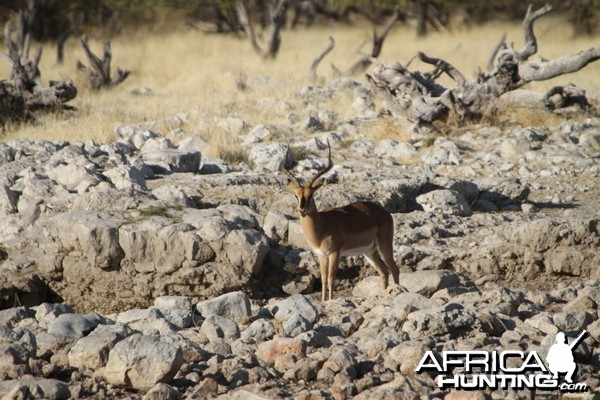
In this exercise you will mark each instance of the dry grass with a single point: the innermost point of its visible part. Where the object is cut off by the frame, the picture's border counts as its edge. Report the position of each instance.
(195, 74)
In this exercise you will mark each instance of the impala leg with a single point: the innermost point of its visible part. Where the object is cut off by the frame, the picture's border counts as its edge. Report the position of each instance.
(323, 263)
(375, 260)
(334, 261)
(387, 252)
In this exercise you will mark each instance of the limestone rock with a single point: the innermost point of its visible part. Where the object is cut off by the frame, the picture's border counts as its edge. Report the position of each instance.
(234, 305)
(141, 361)
(447, 201)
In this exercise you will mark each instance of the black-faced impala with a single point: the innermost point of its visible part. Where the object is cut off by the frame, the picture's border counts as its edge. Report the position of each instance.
(355, 229)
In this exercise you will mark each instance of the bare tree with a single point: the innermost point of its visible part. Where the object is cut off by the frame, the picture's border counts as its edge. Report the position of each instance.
(378, 38)
(77, 20)
(99, 70)
(277, 10)
(417, 96)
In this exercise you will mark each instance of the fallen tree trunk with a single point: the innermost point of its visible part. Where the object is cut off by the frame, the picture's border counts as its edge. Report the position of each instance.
(417, 96)
(20, 95)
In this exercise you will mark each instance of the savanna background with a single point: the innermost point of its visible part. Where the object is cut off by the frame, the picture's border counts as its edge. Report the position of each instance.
(196, 60)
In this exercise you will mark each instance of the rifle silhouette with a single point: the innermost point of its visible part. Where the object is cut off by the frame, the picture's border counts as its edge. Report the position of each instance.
(576, 341)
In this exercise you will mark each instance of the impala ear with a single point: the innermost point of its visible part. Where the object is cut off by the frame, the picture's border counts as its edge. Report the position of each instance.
(292, 185)
(317, 184)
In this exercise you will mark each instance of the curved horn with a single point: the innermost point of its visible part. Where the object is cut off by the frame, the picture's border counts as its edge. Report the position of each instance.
(324, 170)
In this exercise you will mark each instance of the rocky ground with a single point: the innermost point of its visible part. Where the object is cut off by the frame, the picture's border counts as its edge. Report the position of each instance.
(143, 268)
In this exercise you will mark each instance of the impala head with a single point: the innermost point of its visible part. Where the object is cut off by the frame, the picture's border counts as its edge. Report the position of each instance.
(304, 191)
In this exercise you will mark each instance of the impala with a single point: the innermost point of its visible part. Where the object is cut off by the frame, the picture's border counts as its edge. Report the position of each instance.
(355, 229)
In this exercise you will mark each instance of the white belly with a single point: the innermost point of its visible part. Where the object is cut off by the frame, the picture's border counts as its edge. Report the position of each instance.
(357, 251)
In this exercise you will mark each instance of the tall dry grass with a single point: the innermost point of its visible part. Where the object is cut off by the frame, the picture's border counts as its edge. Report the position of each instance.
(194, 74)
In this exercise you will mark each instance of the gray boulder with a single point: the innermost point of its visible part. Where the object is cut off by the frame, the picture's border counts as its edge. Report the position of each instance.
(268, 157)
(158, 244)
(175, 309)
(34, 388)
(13, 359)
(96, 235)
(162, 391)
(148, 321)
(92, 351)
(246, 248)
(172, 160)
(141, 361)
(125, 177)
(297, 304)
(389, 148)
(136, 135)
(216, 327)
(429, 282)
(276, 225)
(8, 198)
(258, 331)
(193, 143)
(452, 318)
(75, 325)
(446, 201)
(45, 313)
(173, 195)
(234, 305)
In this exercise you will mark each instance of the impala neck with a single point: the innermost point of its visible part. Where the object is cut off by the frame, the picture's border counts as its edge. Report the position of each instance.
(311, 222)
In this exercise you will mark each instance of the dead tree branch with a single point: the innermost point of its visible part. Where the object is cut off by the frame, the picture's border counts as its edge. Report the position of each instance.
(501, 45)
(565, 96)
(277, 10)
(417, 96)
(319, 58)
(99, 71)
(18, 49)
(365, 61)
(530, 39)
(442, 66)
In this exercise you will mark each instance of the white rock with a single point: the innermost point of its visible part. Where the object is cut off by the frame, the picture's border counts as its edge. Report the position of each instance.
(75, 325)
(276, 225)
(428, 282)
(295, 304)
(92, 351)
(389, 148)
(8, 198)
(447, 201)
(193, 143)
(246, 248)
(125, 177)
(268, 157)
(49, 389)
(234, 305)
(148, 321)
(141, 362)
(217, 327)
(172, 160)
